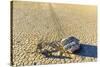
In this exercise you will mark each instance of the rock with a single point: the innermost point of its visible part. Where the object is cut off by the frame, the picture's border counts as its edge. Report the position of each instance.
(71, 44)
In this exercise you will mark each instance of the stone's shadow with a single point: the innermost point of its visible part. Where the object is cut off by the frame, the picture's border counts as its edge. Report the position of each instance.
(87, 51)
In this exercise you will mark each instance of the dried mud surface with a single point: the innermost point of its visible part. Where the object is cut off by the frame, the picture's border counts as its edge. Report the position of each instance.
(33, 22)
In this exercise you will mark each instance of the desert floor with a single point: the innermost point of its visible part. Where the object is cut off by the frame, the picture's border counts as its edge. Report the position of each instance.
(34, 22)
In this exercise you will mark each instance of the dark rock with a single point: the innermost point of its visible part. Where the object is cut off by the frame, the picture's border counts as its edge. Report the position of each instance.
(71, 44)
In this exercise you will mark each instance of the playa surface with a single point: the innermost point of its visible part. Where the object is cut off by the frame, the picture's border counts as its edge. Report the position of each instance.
(49, 22)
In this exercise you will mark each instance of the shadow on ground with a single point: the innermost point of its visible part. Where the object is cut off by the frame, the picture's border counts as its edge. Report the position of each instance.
(87, 51)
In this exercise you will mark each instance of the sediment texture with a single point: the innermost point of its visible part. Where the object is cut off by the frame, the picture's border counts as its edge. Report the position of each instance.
(48, 22)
